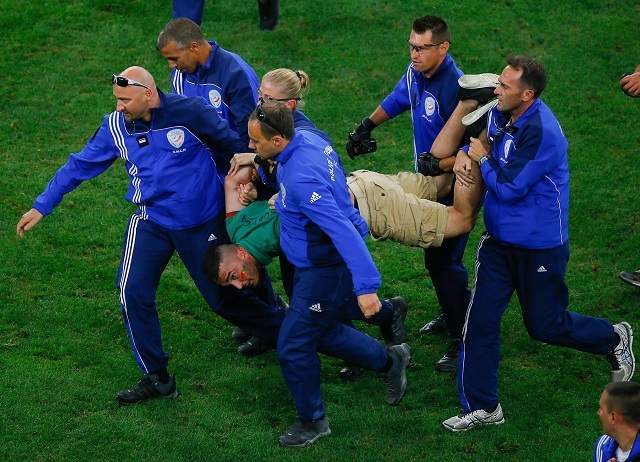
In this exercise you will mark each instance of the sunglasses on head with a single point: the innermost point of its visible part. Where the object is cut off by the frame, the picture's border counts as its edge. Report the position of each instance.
(125, 82)
(262, 117)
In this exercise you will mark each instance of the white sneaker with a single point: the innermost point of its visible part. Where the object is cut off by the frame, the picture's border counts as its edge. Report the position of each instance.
(464, 422)
(472, 117)
(622, 360)
(478, 80)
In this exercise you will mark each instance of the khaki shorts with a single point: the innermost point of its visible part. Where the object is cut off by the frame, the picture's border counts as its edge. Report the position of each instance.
(400, 207)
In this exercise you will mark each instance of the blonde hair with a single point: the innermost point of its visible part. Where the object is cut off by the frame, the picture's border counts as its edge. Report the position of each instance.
(293, 84)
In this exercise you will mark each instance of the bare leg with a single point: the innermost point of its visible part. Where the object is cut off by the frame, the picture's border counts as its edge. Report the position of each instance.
(448, 140)
(466, 201)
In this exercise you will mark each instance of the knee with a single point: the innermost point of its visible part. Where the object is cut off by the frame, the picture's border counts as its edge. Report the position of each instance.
(284, 353)
(540, 332)
(133, 297)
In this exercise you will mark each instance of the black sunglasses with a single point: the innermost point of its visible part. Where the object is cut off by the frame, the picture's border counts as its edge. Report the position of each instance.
(262, 117)
(125, 82)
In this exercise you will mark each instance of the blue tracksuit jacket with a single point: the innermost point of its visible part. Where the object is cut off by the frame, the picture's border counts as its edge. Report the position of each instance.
(301, 123)
(318, 224)
(606, 447)
(431, 101)
(527, 180)
(174, 180)
(227, 82)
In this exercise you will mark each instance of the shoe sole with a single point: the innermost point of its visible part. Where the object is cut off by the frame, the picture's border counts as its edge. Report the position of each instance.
(453, 429)
(628, 281)
(475, 81)
(306, 443)
(445, 369)
(405, 309)
(173, 395)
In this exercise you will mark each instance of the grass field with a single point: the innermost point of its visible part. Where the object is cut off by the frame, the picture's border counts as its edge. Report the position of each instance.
(63, 351)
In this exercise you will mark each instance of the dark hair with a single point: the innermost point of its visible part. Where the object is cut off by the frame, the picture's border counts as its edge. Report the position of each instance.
(183, 31)
(624, 397)
(275, 119)
(533, 75)
(437, 26)
(213, 258)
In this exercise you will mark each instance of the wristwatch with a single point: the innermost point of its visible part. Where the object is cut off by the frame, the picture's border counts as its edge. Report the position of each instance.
(483, 159)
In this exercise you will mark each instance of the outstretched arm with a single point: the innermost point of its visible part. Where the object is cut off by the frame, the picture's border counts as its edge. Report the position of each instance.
(28, 221)
(239, 190)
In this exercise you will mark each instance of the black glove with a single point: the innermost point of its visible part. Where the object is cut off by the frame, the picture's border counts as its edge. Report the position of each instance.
(360, 141)
(429, 165)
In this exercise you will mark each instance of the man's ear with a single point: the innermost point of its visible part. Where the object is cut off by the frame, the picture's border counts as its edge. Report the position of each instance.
(443, 48)
(527, 95)
(242, 253)
(194, 46)
(277, 141)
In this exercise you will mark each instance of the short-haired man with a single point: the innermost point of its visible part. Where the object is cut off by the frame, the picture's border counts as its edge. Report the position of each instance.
(321, 234)
(429, 89)
(203, 68)
(619, 413)
(525, 248)
(164, 142)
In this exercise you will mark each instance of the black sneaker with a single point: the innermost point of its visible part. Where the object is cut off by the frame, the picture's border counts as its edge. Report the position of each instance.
(269, 11)
(449, 362)
(435, 326)
(254, 346)
(394, 332)
(239, 335)
(396, 378)
(632, 278)
(148, 387)
(349, 372)
(303, 434)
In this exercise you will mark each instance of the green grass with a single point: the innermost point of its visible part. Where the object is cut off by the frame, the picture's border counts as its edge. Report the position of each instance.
(63, 351)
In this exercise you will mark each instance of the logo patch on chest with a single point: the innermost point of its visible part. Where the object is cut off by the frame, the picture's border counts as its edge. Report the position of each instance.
(429, 106)
(215, 98)
(176, 137)
(507, 150)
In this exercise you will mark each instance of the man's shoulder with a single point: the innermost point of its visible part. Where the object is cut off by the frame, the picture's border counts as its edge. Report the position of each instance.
(192, 112)
(180, 103)
(450, 68)
(110, 124)
(228, 63)
(605, 446)
(542, 120)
